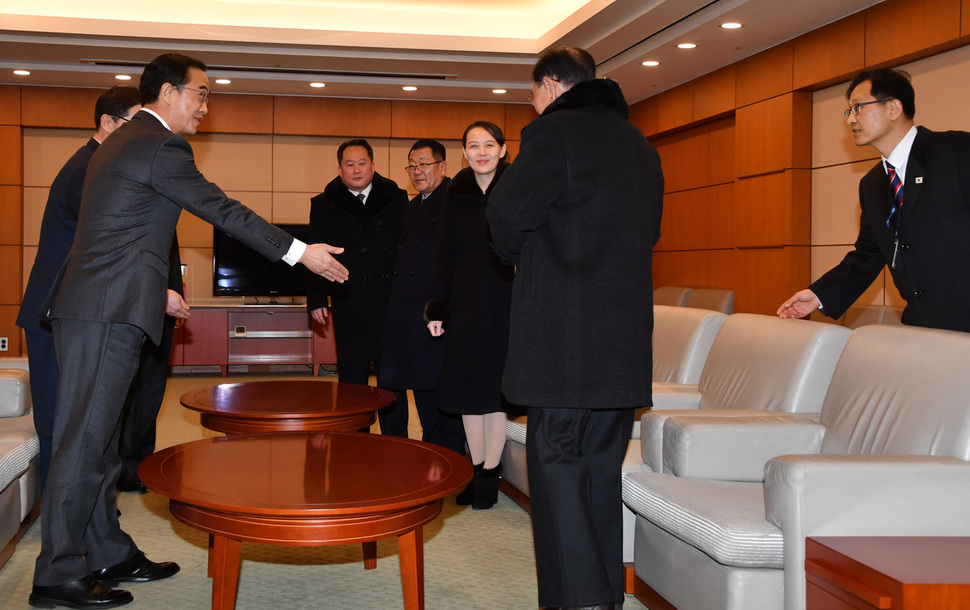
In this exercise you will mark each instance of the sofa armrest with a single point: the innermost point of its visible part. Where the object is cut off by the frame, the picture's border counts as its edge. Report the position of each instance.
(675, 396)
(862, 495)
(735, 448)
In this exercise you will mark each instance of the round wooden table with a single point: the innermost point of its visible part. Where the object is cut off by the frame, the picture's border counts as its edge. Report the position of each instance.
(306, 489)
(287, 405)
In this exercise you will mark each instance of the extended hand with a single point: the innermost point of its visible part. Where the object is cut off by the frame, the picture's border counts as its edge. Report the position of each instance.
(801, 304)
(319, 259)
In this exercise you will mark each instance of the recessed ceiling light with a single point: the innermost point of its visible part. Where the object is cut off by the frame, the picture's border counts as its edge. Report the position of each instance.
(22, 72)
(318, 85)
(732, 25)
(650, 63)
(499, 91)
(223, 81)
(409, 88)
(122, 77)
(686, 45)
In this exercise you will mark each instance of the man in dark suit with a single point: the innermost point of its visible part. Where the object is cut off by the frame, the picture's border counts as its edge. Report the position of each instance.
(410, 356)
(112, 110)
(363, 212)
(110, 296)
(579, 213)
(915, 212)
(137, 438)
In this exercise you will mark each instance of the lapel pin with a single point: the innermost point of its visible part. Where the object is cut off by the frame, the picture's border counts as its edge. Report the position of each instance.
(919, 179)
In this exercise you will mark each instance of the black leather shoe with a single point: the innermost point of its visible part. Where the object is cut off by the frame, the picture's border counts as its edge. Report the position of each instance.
(81, 593)
(131, 484)
(137, 569)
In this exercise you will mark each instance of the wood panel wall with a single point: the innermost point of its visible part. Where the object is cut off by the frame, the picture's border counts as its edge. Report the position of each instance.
(743, 220)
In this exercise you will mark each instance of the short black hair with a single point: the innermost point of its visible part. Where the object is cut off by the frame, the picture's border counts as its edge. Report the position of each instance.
(437, 148)
(493, 130)
(115, 102)
(356, 142)
(888, 85)
(568, 65)
(168, 68)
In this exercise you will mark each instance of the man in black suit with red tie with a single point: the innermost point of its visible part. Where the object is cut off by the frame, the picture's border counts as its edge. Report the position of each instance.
(109, 298)
(915, 212)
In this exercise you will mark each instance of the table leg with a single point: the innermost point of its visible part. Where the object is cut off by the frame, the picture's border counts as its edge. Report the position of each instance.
(224, 557)
(370, 555)
(411, 550)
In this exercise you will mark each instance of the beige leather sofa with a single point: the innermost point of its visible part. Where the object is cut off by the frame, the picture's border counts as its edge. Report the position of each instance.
(19, 457)
(724, 526)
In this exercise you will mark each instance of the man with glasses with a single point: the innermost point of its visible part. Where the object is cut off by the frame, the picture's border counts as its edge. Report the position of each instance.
(363, 212)
(915, 212)
(410, 356)
(110, 297)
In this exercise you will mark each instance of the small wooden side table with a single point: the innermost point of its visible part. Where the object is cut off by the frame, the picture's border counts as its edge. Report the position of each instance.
(889, 573)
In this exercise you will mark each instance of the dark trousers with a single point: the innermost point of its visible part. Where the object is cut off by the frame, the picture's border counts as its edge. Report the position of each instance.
(145, 396)
(437, 427)
(358, 372)
(80, 532)
(43, 392)
(574, 458)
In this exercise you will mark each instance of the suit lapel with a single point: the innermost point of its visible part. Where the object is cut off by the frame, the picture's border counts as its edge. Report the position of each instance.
(915, 175)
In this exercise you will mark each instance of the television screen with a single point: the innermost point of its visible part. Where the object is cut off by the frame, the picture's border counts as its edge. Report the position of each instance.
(237, 270)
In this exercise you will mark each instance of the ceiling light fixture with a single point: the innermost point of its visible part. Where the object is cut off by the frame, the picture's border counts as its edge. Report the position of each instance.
(409, 88)
(318, 85)
(650, 63)
(122, 77)
(732, 25)
(499, 91)
(686, 45)
(22, 72)
(223, 81)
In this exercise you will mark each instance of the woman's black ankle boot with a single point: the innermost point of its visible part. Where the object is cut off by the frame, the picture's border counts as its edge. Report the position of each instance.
(486, 492)
(467, 495)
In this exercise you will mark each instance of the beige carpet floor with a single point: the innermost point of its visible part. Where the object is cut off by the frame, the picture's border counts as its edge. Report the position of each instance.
(473, 559)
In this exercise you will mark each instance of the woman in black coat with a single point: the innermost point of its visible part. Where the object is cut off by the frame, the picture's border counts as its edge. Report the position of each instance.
(471, 296)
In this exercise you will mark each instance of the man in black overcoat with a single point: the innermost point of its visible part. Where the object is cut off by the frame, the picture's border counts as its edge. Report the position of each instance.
(410, 356)
(362, 212)
(915, 212)
(579, 213)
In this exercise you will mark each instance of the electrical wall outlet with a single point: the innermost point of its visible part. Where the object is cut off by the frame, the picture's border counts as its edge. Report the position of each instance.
(3, 344)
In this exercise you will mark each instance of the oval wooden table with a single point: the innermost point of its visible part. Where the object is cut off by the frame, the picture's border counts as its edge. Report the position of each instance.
(306, 489)
(287, 405)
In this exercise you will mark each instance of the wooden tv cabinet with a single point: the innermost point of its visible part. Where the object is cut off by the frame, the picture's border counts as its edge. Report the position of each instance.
(222, 335)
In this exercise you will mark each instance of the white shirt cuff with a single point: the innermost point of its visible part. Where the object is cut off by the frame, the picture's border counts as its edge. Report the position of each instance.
(295, 253)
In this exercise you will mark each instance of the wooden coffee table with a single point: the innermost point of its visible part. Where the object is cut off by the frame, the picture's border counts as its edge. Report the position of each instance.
(306, 489)
(287, 405)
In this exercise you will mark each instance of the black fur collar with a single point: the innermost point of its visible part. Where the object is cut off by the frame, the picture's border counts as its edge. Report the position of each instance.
(598, 92)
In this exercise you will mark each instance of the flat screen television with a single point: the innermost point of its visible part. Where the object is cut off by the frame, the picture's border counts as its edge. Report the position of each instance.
(239, 271)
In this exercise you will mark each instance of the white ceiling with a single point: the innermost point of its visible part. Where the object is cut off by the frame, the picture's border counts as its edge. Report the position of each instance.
(449, 49)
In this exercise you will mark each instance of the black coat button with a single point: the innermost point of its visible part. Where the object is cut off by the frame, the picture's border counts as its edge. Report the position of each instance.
(917, 293)
(904, 246)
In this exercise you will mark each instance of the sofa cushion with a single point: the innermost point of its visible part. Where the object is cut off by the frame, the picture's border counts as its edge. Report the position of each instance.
(14, 392)
(515, 429)
(725, 520)
(15, 459)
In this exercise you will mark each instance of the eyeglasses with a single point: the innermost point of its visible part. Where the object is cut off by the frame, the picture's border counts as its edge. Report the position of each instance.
(121, 118)
(204, 93)
(421, 166)
(854, 109)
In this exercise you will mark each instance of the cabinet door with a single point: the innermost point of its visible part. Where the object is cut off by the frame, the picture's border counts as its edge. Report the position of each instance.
(205, 338)
(175, 358)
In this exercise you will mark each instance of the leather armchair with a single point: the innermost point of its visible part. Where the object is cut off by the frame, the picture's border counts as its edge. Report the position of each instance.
(888, 456)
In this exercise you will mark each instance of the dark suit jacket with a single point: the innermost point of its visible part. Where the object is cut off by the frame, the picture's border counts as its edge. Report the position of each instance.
(934, 253)
(56, 235)
(410, 356)
(138, 182)
(369, 234)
